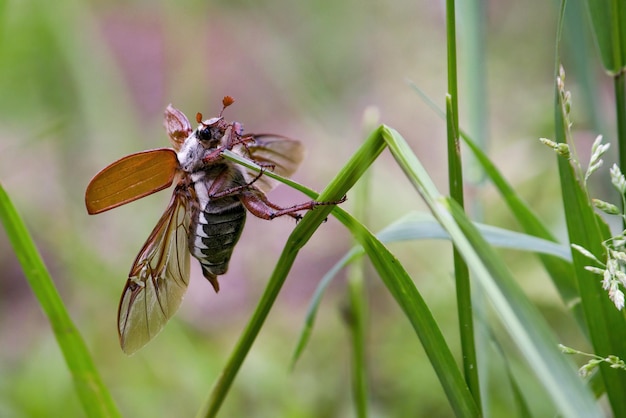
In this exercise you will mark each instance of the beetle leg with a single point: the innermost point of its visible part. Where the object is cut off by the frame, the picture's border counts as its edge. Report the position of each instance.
(222, 179)
(258, 204)
(216, 154)
(229, 143)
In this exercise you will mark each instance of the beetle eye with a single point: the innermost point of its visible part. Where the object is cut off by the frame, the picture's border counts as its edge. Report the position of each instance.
(204, 134)
(210, 132)
(209, 136)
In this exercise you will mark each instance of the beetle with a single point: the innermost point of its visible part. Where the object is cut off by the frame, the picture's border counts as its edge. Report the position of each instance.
(205, 216)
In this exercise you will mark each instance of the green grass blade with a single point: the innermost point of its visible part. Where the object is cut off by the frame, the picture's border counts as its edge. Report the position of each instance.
(316, 299)
(416, 226)
(526, 326)
(619, 86)
(393, 275)
(424, 226)
(608, 20)
(461, 271)
(335, 190)
(607, 326)
(523, 410)
(520, 405)
(455, 185)
(581, 50)
(355, 317)
(355, 313)
(530, 222)
(419, 226)
(561, 272)
(402, 288)
(94, 397)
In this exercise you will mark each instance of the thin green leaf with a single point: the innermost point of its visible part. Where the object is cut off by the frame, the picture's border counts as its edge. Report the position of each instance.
(402, 288)
(526, 326)
(336, 189)
(561, 272)
(461, 272)
(521, 406)
(355, 310)
(94, 397)
(424, 226)
(393, 275)
(354, 316)
(418, 226)
(607, 327)
(608, 18)
(316, 299)
(609, 30)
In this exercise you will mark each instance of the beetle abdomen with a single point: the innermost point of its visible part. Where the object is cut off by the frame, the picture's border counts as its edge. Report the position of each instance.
(216, 230)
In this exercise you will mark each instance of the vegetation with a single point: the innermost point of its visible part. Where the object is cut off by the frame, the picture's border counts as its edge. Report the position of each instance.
(291, 334)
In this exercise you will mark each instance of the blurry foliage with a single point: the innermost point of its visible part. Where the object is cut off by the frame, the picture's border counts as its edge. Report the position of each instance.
(83, 83)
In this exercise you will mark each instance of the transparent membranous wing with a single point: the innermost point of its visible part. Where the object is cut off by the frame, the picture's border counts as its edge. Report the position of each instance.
(159, 277)
(282, 155)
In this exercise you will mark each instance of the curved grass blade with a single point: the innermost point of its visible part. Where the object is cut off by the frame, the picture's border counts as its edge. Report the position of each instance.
(346, 178)
(394, 276)
(607, 326)
(417, 226)
(94, 397)
(561, 272)
(402, 288)
(526, 326)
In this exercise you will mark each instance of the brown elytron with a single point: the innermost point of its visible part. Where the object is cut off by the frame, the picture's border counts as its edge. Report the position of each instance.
(205, 216)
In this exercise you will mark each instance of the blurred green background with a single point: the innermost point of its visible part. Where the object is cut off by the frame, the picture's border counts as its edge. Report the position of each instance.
(85, 83)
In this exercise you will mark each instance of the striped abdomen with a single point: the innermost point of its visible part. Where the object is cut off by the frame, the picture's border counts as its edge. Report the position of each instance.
(217, 230)
(216, 225)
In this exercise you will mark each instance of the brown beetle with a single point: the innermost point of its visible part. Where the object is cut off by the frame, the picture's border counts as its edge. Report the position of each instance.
(205, 216)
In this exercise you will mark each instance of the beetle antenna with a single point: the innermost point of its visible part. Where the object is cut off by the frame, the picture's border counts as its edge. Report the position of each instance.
(226, 101)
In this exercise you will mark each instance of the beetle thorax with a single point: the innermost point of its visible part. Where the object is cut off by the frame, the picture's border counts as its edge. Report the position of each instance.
(201, 143)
